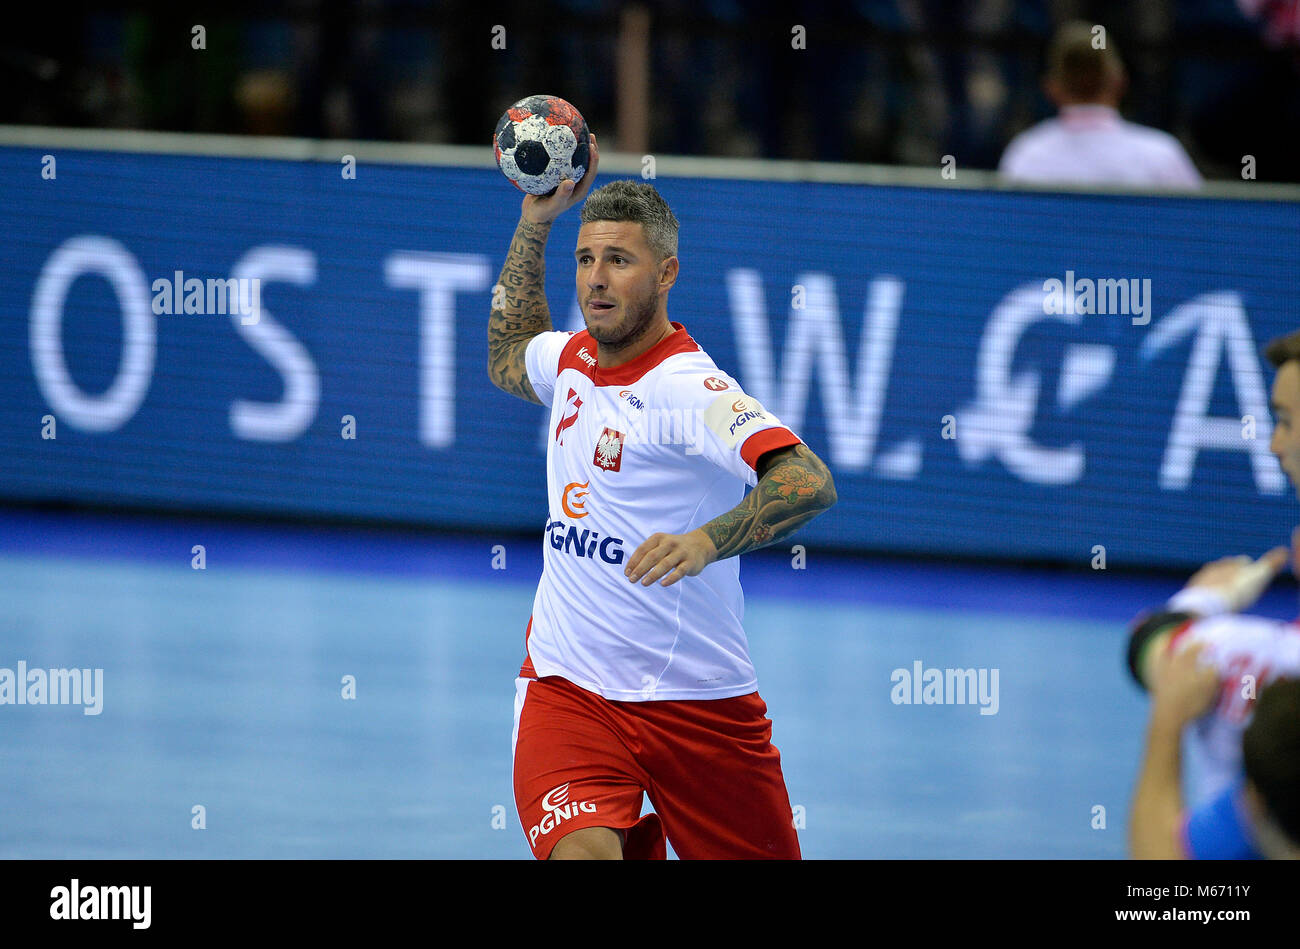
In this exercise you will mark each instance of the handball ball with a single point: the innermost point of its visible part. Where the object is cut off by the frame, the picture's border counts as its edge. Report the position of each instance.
(540, 141)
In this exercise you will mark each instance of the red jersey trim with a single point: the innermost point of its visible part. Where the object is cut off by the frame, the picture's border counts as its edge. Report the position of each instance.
(760, 443)
(569, 358)
(526, 670)
(678, 341)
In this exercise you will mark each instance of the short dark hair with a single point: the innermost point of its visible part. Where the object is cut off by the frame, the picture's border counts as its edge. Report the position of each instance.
(1283, 349)
(639, 202)
(1270, 749)
(1073, 60)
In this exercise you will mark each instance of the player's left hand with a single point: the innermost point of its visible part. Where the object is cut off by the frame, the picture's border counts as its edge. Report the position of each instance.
(677, 555)
(1182, 688)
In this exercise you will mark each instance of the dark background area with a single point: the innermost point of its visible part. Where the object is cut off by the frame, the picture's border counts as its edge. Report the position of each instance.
(881, 81)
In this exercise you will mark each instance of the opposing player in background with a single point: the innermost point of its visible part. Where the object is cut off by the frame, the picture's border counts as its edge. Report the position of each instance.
(636, 678)
(1199, 642)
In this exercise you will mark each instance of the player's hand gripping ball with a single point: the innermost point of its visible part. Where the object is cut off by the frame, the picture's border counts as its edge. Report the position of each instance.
(540, 141)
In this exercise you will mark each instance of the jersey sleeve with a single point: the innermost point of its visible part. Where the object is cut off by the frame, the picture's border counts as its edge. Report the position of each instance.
(728, 427)
(1218, 830)
(1177, 617)
(542, 361)
(1241, 644)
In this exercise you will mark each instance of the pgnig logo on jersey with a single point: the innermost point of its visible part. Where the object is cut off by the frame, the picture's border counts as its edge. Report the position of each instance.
(558, 809)
(584, 543)
(745, 412)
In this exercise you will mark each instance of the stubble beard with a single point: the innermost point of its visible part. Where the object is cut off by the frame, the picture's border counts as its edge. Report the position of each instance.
(634, 326)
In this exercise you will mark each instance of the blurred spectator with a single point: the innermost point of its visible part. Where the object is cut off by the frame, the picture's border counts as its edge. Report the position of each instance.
(884, 81)
(1088, 142)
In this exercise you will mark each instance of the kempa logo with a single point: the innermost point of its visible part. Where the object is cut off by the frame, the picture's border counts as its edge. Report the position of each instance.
(53, 687)
(231, 295)
(102, 902)
(586, 357)
(558, 809)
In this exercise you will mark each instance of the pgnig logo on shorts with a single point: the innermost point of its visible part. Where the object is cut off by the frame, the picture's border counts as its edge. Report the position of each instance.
(558, 809)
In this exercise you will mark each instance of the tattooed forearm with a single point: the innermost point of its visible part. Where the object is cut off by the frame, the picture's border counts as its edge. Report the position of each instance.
(792, 491)
(519, 310)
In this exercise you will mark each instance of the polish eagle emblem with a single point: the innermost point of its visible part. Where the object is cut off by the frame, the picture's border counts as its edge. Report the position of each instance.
(609, 450)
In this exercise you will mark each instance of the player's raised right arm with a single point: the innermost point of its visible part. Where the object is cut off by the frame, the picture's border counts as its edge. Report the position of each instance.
(519, 310)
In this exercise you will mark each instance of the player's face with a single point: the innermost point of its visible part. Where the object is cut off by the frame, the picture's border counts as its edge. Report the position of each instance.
(618, 281)
(1285, 444)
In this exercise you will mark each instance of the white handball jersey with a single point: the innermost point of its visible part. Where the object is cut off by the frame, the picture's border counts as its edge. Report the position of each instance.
(664, 443)
(1236, 646)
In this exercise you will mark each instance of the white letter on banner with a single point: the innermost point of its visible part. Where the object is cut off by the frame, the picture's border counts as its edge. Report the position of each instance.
(999, 420)
(814, 334)
(438, 278)
(285, 420)
(109, 259)
(1221, 322)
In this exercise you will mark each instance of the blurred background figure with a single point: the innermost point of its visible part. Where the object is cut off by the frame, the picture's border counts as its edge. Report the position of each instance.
(1089, 142)
(1258, 816)
(880, 81)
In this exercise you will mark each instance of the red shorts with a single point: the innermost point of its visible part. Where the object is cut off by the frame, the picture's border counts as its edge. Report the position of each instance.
(709, 766)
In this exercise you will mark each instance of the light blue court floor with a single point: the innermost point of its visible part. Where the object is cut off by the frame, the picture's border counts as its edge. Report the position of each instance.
(222, 688)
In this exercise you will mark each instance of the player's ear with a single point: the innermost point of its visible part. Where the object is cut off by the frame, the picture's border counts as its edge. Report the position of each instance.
(668, 273)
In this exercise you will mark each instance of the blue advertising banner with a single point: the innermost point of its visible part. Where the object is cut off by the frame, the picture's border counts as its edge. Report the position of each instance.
(1029, 375)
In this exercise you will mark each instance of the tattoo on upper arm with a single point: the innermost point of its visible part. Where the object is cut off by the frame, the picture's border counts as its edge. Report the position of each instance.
(509, 371)
(794, 488)
(519, 310)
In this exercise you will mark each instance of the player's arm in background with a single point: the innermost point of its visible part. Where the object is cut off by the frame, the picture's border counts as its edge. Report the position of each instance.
(1181, 691)
(1231, 584)
(519, 310)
